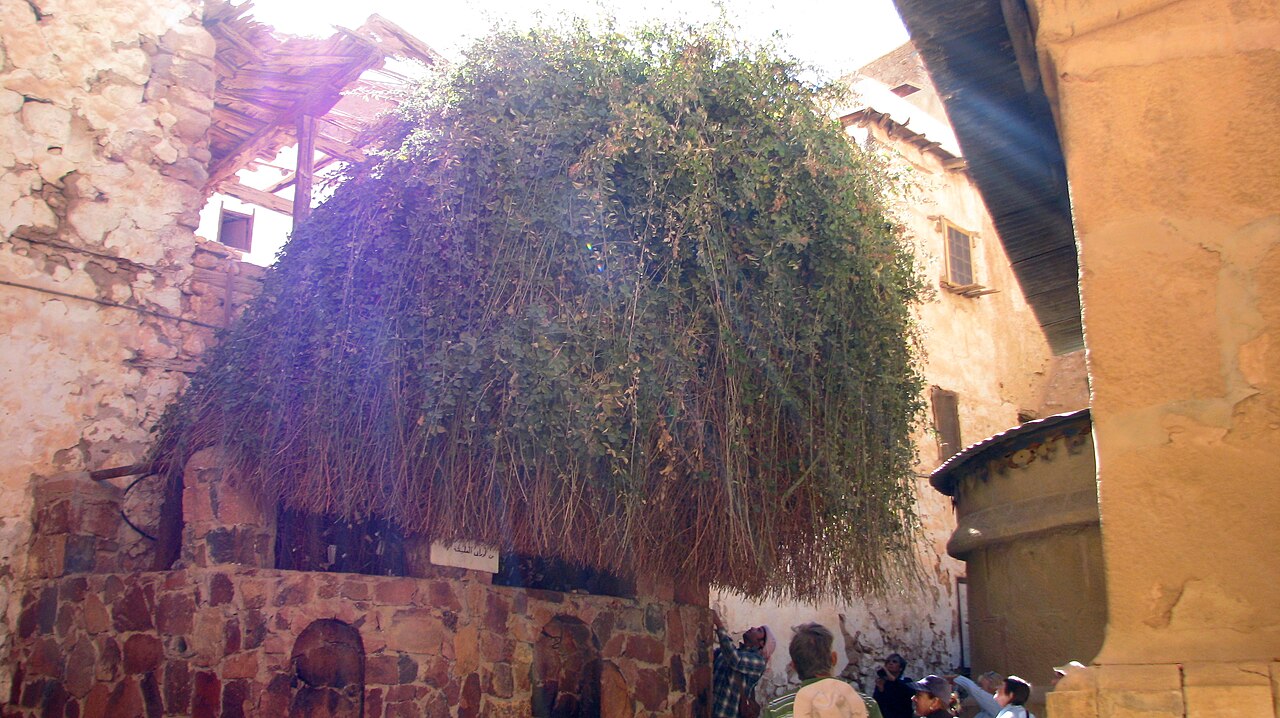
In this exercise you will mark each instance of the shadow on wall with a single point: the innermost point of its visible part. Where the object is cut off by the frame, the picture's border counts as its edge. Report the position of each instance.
(328, 662)
(569, 678)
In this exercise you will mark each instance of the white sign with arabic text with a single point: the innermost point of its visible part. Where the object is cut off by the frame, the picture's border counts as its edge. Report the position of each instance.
(465, 554)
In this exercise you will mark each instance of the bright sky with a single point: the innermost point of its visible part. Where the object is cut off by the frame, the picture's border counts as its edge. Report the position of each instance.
(836, 37)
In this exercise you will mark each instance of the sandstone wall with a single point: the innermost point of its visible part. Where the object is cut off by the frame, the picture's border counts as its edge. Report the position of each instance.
(104, 108)
(1167, 114)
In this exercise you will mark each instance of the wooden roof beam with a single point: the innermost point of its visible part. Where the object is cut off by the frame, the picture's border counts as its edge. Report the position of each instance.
(290, 178)
(311, 102)
(259, 197)
(340, 150)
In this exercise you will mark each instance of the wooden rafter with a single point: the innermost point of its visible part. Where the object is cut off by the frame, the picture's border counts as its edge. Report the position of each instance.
(262, 198)
(289, 179)
(306, 168)
(318, 101)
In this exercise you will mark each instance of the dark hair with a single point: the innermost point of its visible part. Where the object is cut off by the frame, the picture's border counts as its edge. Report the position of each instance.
(811, 650)
(1018, 688)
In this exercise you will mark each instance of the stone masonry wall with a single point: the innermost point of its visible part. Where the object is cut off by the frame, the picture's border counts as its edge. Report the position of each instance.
(218, 643)
(104, 111)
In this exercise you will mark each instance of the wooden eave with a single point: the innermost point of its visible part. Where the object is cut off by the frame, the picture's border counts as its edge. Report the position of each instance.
(870, 117)
(269, 83)
(981, 60)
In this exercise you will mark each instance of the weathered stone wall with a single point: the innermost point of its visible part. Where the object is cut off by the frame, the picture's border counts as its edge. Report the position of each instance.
(104, 109)
(219, 642)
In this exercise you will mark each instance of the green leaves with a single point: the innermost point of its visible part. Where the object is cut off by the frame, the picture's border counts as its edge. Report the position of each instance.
(631, 301)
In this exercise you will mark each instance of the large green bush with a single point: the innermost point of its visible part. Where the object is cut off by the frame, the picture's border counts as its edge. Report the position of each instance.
(629, 300)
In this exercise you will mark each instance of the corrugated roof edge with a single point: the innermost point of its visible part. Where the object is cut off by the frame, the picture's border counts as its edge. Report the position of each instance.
(942, 477)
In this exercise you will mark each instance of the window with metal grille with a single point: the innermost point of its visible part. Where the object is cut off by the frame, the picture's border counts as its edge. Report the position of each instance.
(946, 421)
(959, 259)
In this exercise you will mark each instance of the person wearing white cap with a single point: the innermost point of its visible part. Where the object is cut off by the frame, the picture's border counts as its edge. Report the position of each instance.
(1059, 672)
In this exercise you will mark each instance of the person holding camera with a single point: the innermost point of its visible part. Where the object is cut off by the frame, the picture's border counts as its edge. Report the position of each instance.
(893, 688)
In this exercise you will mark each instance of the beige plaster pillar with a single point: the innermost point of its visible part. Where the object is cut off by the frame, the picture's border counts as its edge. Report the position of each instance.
(1169, 115)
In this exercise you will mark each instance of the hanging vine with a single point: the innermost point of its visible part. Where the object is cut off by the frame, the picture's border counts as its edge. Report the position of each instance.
(632, 301)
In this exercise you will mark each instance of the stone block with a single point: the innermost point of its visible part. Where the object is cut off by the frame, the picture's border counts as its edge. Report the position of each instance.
(242, 545)
(466, 646)
(143, 653)
(396, 591)
(382, 670)
(652, 688)
(133, 610)
(1140, 704)
(39, 612)
(108, 666)
(191, 41)
(645, 649)
(206, 696)
(221, 590)
(675, 630)
(240, 665)
(1223, 688)
(126, 699)
(441, 594)
(95, 704)
(496, 647)
(207, 640)
(80, 671)
(151, 697)
(46, 659)
(177, 687)
(1226, 674)
(497, 610)
(615, 696)
(1156, 677)
(355, 589)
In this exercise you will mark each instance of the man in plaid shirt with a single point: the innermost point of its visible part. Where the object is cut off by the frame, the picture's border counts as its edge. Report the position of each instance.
(736, 670)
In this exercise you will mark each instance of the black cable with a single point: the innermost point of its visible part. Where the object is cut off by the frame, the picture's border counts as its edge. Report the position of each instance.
(125, 516)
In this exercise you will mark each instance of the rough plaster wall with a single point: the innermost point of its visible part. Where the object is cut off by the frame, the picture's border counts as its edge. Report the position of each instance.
(989, 350)
(1168, 119)
(104, 108)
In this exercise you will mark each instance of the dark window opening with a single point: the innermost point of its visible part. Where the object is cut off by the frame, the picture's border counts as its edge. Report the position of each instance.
(235, 229)
(552, 574)
(959, 259)
(308, 542)
(946, 421)
(905, 89)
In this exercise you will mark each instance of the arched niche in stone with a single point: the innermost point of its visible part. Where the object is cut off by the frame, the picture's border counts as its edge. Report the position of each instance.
(566, 671)
(328, 662)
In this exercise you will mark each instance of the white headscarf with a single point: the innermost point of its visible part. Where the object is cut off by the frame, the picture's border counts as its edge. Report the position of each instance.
(770, 642)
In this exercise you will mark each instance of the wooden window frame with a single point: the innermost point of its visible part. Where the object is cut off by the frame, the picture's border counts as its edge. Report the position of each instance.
(946, 421)
(947, 229)
(223, 215)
